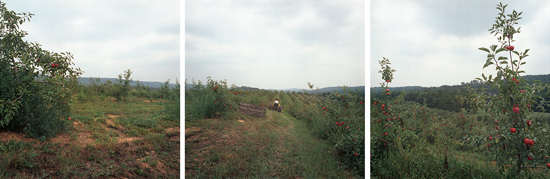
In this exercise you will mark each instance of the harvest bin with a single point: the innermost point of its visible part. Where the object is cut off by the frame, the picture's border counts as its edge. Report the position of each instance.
(252, 110)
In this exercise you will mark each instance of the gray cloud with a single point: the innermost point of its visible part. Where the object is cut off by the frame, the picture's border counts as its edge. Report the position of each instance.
(276, 44)
(433, 43)
(107, 37)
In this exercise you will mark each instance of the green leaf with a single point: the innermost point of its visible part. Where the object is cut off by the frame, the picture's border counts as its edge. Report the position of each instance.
(493, 47)
(504, 63)
(484, 49)
(487, 63)
(500, 50)
(502, 58)
(515, 52)
(505, 87)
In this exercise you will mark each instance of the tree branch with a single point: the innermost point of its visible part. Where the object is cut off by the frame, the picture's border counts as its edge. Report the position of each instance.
(384, 140)
(14, 100)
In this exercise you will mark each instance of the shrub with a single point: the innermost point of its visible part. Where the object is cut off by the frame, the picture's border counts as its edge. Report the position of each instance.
(121, 87)
(34, 83)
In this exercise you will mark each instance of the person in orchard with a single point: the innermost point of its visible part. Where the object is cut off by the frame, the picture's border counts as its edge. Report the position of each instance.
(276, 103)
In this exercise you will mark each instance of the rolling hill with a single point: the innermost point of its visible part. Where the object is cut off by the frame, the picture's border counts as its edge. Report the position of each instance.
(321, 90)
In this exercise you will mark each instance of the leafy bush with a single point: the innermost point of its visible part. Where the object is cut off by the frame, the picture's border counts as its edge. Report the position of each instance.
(35, 84)
(210, 101)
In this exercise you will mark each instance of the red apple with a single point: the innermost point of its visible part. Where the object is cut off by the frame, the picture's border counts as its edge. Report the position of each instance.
(387, 90)
(529, 123)
(529, 158)
(509, 47)
(387, 81)
(386, 133)
(513, 130)
(526, 141)
(53, 64)
(548, 165)
(490, 137)
(515, 109)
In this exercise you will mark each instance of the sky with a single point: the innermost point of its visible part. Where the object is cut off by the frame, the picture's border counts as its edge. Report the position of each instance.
(276, 44)
(107, 37)
(434, 43)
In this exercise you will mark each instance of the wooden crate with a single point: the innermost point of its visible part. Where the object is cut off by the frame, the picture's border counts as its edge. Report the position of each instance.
(251, 110)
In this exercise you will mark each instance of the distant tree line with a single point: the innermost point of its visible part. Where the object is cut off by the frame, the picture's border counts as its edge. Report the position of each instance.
(448, 97)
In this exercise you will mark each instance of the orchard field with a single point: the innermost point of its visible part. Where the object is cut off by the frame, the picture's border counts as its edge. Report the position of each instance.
(136, 136)
(503, 134)
(315, 136)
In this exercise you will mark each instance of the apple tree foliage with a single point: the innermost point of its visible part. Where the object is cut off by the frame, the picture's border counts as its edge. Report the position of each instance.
(513, 106)
(122, 86)
(386, 122)
(35, 84)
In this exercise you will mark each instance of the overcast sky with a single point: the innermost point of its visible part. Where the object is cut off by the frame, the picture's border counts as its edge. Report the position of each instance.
(276, 44)
(107, 37)
(434, 43)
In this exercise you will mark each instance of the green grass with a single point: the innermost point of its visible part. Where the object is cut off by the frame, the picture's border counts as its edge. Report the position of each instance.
(273, 146)
(153, 153)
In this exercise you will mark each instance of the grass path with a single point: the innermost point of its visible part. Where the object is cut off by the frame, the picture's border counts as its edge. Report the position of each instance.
(273, 146)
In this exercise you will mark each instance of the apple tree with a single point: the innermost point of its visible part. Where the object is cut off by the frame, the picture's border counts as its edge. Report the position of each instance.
(519, 141)
(35, 84)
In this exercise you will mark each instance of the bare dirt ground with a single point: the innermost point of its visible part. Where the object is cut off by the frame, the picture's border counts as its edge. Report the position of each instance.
(83, 135)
